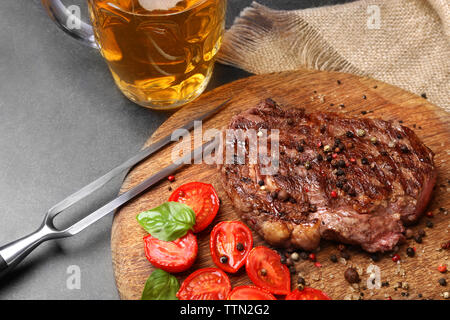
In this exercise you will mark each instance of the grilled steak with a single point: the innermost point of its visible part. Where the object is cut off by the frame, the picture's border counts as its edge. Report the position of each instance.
(357, 181)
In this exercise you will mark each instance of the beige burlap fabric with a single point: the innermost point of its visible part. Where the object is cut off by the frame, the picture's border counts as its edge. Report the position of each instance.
(402, 42)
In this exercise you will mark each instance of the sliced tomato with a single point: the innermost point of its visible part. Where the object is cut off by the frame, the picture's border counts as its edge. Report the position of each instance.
(307, 294)
(250, 293)
(202, 198)
(230, 243)
(265, 269)
(205, 284)
(172, 256)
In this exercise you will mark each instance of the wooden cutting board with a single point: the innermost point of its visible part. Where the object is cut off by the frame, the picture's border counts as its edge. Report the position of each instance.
(313, 90)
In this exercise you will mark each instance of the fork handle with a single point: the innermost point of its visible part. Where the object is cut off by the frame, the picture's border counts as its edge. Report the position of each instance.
(14, 252)
(3, 265)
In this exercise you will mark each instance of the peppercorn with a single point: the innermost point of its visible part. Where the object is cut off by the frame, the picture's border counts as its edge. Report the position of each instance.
(338, 81)
(329, 158)
(319, 157)
(424, 95)
(410, 252)
(430, 224)
(295, 256)
(340, 172)
(442, 268)
(301, 280)
(352, 193)
(363, 112)
(349, 134)
(365, 161)
(289, 121)
(333, 258)
(351, 275)
(304, 255)
(323, 129)
(240, 246)
(442, 282)
(223, 259)
(375, 257)
(364, 97)
(418, 239)
(404, 149)
(263, 272)
(339, 184)
(421, 233)
(300, 149)
(341, 163)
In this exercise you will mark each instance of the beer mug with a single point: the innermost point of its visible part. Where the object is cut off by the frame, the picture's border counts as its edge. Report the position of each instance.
(160, 52)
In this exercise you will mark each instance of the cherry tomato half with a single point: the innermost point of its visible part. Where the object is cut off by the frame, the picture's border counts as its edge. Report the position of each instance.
(230, 242)
(250, 293)
(171, 256)
(202, 198)
(307, 294)
(205, 284)
(265, 269)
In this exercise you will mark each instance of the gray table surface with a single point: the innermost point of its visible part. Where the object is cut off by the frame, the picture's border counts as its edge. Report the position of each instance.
(63, 123)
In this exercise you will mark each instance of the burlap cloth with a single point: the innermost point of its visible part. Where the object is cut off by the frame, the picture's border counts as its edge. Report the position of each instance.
(408, 46)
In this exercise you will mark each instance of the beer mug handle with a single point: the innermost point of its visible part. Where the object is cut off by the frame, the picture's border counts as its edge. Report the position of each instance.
(70, 22)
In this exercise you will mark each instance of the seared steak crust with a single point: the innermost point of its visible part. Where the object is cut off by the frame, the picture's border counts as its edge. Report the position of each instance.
(353, 180)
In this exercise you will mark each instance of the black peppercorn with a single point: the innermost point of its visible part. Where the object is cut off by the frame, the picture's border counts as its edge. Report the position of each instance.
(430, 224)
(351, 275)
(301, 280)
(375, 257)
(339, 184)
(421, 233)
(340, 172)
(341, 163)
(418, 239)
(410, 252)
(261, 182)
(350, 134)
(300, 149)
(329, 158)
(365, 161)
(442, 282)
(240, 247)
(304, 255)
(404, 149)
(319, 157)
(333, 258)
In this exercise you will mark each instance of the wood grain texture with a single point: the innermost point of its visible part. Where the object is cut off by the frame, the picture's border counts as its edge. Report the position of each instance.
(312, 90)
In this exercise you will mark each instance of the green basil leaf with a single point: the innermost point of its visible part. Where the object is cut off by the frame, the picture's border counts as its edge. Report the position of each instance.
(161, 285)
(169, 221)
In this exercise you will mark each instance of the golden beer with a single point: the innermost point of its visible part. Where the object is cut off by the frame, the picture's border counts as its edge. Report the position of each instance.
(160, 58)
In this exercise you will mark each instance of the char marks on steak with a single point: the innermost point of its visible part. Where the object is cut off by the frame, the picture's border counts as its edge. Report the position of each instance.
(376, 177)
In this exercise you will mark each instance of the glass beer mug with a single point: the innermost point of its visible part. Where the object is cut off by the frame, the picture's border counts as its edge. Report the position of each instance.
(160, 52)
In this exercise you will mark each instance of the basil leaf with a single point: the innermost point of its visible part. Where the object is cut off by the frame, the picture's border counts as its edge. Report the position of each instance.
(169, 221)
(161, 285)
